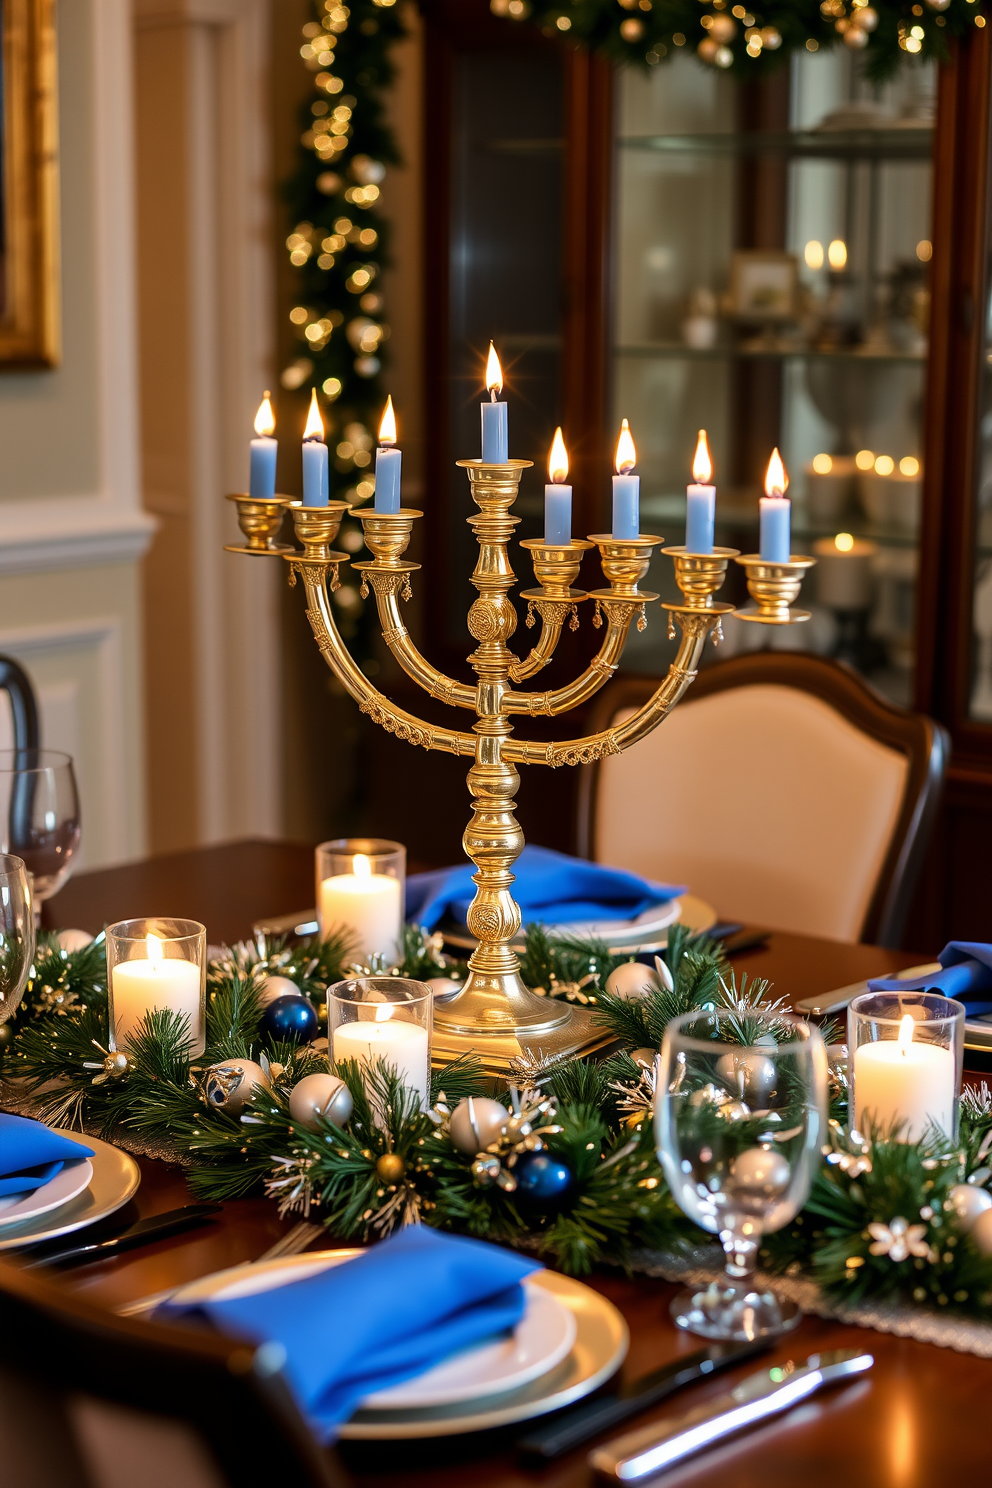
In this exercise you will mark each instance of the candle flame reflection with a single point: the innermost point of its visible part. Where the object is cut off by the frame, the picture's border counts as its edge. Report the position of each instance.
(315, 424)
(494, 373)
(906, 1032)
(384, 1012)
(265, 419)
(776, 479)
(360, 866)
(387, 424)
(626, 457)
(153, 948)
(702, 461)
(558, 459)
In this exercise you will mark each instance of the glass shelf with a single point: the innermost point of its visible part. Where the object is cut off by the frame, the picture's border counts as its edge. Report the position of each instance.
(676, 349)
(910, 142)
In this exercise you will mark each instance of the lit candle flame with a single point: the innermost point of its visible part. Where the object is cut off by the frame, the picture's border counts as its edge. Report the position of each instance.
(315, 424)
(776, 479)
(360, 866)
(558, 459)
(384, 1012)
(626, 457)
(702, 461)
(387, 424)
(494, 373)
(265, 419)
(906, 1032)
(843, 542)
(153, 948)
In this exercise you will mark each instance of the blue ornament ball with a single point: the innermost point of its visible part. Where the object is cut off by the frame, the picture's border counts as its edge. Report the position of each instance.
(291, 1018)
(541, 1179)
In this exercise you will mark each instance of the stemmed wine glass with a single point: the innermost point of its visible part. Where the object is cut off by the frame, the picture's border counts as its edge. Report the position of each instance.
(17, 934)
(740, 1117)
(39, 815)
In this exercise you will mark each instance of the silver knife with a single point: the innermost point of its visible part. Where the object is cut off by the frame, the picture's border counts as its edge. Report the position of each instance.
(836, 1001)
(639, 1455)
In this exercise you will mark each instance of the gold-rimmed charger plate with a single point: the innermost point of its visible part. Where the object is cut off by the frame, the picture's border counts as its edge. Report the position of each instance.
(116, 1177)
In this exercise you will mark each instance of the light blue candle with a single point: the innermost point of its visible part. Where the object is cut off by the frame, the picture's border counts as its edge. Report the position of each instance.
(388, 464)
(700, 511)
(262, 479)
(558, 496)
(495, 438)
(626, 488)
(315, 471)
(775, 508)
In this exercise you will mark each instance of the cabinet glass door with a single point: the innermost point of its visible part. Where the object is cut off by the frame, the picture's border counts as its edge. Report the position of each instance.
(772, 288)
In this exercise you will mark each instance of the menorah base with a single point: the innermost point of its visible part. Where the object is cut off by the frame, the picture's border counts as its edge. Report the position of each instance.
(503, 1054)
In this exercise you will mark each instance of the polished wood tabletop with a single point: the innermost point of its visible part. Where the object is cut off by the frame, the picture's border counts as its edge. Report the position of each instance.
(917, 1420)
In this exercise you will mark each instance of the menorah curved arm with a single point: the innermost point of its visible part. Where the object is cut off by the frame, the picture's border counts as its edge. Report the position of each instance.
(387, 715)
(681, 674)
(619, 613)
(553, 613)
(387, 585)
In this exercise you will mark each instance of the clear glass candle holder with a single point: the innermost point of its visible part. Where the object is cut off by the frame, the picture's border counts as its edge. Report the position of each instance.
(387, 1018)
(906, 1052)
(361, 886)
(157, 965)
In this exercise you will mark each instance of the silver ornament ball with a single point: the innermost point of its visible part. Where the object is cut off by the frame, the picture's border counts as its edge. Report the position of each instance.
(708, 1095)
(229, 1086)
(981, 1232)
(734, 1110)
(750, 1076)
(74, 940)
(475, 1123)
(320, 1095)
(277, 986)
(966, 1202)
(632, 981)
(761, 1171)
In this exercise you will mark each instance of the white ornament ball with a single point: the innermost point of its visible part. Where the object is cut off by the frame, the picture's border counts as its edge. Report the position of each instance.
(74, 940)
(632, 981)
(750, 1076)
(230, 1085)
(761, 1171)
(476, 1122)
(966, 1202)
(277, 986)
(981, 1232)
(320, 1095)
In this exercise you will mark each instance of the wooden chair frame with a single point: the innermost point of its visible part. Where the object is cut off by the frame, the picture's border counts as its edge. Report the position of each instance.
(926, 745)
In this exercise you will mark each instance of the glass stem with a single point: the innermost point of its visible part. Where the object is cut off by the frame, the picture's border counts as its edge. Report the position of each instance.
(739, 1238)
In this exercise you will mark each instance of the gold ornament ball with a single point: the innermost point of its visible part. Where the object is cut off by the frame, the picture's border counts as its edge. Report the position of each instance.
(6, 1035)
(390, 1167)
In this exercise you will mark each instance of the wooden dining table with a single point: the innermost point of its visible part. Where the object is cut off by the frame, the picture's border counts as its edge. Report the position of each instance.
(917, 1420)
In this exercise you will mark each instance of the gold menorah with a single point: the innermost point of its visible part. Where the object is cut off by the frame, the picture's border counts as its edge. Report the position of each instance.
(494, 1015)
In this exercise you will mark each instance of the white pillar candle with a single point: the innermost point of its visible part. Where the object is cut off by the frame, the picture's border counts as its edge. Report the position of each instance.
(906, 1081)
(404, 1045)
(367, 905)
(156, 983)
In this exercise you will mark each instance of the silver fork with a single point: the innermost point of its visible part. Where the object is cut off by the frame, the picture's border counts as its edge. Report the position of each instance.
(294, 1242)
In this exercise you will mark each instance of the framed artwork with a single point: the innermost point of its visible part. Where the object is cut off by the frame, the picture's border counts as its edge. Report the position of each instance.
(763, 285)
(30, 311)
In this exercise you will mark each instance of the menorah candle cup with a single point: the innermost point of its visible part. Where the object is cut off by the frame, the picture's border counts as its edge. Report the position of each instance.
(387, 535)
(260, 518)
(556, 566)
(316, 528)
(625, 562)
(700, 575)
(774, 587)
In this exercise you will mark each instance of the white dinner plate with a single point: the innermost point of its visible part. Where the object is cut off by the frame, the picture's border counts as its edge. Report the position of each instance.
(115, 1179)
(539, 1342)
(69, 1181)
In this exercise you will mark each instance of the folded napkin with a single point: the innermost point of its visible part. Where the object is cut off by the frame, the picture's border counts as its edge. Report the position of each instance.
(384, 1317)
(549, 887)
(31, 1154)
(966, 975)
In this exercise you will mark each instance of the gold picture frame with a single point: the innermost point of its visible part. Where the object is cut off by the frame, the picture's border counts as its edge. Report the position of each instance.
(30, 308)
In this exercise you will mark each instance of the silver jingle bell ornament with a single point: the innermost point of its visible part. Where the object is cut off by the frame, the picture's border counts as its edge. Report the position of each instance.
(632, 981)
(230, 1086)
(320, 1095)
(761, 1171)
(966, 1202)
(475, 1123)
(276, 986)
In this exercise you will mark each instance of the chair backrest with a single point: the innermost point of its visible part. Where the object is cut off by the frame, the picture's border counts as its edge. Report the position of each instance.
(783, 789)
(92, 1400)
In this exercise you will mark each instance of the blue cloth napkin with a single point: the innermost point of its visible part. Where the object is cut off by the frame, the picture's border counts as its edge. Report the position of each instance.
(384, 1317)
(966, 975)
(550, 887)
(31, 1154)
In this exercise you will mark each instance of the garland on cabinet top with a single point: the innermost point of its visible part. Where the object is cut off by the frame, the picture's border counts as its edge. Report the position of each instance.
(569, 1171)
(737, 36)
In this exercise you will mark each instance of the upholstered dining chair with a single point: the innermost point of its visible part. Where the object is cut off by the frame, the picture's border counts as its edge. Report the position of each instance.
(783, 789)
(92, 1400)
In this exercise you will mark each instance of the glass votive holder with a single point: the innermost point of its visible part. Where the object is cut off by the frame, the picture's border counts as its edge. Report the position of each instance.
(387, 1018)
(361, 886)
(906, 1052)
(157, 965)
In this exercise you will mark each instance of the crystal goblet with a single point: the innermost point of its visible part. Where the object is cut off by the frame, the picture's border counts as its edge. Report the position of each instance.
(740, 1116)
(39, 814)
(17, 936)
